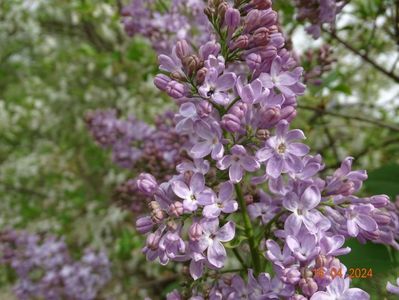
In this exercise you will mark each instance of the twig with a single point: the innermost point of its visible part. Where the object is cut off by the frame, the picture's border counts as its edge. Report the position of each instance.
(365, 57)
(350, 117)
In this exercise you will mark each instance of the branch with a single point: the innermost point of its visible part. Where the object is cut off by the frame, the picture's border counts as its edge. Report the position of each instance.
(365, 57)
(378, 123)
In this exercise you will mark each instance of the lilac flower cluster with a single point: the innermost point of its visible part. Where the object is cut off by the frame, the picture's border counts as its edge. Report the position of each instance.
(318, 12)
(164, 23)
(137, 144)
(45, 269)
(248, 176)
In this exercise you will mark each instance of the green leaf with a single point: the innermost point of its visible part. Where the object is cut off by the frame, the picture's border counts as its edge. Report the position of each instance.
(384, 181)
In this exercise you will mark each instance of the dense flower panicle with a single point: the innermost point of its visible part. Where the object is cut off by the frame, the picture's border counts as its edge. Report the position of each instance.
(318, 12)
(246, 181)
(164, 24)
(45, 269)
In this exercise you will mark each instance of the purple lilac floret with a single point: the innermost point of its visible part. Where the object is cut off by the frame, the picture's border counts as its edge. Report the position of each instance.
(45, 269)
(249, 193)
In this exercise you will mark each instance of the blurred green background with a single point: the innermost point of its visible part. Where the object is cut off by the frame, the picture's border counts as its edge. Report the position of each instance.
(60, 59)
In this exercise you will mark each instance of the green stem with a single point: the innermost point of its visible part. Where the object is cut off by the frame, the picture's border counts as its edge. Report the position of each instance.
(248, 230)
(240, 259)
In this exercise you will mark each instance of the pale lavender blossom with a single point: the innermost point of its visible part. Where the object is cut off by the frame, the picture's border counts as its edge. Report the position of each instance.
(238, 162)
(281, 153)
(394, 289)
(193, 195)
(224, 202)
(339, 289)
(216, 86)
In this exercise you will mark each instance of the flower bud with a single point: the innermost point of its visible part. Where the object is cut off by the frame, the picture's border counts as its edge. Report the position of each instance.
(222, 9)
(172, 225)
(347, 188)
(182, 49)
(210, 48)
(144, 225)
(262, 4)
(201, 74)
(157, 215)
(268, 18)
(262, 134)
(204, 108)
(381, 217)
(240, 43)
(252, 20)
(248, 199)
(268, 117)
(175, 89)
(232, 18)
(161, 81)
(239, 110)
(261, 36)
(208, 12)
(291, 276)
(288, 113)
(195, 232)
(308, 286)
(153, 241)
(176, 209)
(306, 272)
(231, 123)
(379, 201)
(192, 63)
(147, 184)
(253, 61)
(178, 76)
(321, 261)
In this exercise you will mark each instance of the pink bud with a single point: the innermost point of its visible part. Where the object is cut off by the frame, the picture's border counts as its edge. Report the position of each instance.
(182, 49)
(161, 81)
(240, 43)
(268, 117)
(261, 36)
(253, 61)
(288, 113)
(262, 4)
(204, 108)
(176, 209)
(175, 89)
(195, 231)
(147, 184)
(232, 18)
(231, 123)
(308, 286)
(144, 225)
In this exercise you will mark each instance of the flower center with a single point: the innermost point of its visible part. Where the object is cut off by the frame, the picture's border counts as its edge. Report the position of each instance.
(192, 198)
(210, 92)
(281, 148)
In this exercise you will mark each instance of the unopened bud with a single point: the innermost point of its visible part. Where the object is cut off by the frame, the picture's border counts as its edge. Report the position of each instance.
(231, 123)
(161, 81)
(204, 108)
(262, 134)
(222, 8)
(144, 224)
(175, 89)
(195, 231)
(232, 18)
(268, 117)
(172, 225)
(262, 4)
(249, 199)
(147, 184)
(253, 61)
(192, 63)
(182, 49)
(176, 75)
(288, 113)
(261, 36)
(240, 43)
(308, 286)
(201, 74)
(380, 201)
(176, 209)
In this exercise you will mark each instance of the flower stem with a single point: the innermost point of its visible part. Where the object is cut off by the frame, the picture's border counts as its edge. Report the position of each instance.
(248, 230)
